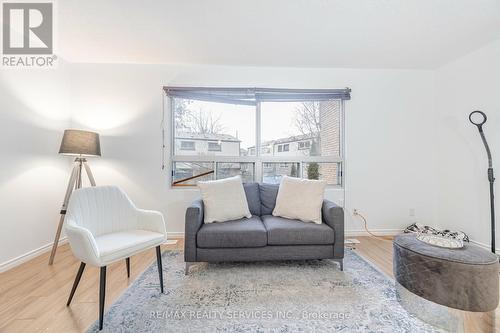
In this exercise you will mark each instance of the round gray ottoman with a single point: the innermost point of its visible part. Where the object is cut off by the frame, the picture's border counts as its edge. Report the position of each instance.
(465, 279)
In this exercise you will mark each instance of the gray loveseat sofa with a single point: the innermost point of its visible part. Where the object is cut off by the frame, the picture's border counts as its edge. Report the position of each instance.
(263, 236)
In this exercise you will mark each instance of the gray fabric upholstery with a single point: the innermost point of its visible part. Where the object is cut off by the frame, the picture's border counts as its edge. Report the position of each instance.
(469, 254)
(333, 216)
(193, 223)
(239, 233)
(282, 231)
(247, 240)
(283, 252)
(465, 279)
(253, 197)
(268, 194)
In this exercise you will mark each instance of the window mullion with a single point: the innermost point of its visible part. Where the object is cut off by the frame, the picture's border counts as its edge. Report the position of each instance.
(258, 163)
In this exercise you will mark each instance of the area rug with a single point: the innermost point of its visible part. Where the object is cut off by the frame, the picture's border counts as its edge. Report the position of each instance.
(288, 296)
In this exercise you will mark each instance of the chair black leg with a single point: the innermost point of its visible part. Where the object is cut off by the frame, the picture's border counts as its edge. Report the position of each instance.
(127, 261)
(102, 296)
(75, 284)
(160, 267)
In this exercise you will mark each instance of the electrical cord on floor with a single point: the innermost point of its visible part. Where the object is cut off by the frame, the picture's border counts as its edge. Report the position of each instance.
(365, 225)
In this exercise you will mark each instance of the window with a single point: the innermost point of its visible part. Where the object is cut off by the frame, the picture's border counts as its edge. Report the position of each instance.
(188, 173)
(283, 148)
(305, 145)
(309, 128)
(273, 172)
(218, 128)
(245, 170)
(214, 146)
(259, 134)
(187, 145)
(329, 172)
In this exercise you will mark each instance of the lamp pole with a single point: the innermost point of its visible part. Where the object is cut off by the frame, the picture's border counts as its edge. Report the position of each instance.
(479, 121)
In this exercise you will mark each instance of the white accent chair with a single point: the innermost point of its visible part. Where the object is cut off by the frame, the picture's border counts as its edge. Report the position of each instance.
(104, 226)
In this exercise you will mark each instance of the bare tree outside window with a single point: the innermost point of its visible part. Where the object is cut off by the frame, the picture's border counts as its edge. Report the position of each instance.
(308, 122)
(181, 114)
(205, 123)
(196, 121)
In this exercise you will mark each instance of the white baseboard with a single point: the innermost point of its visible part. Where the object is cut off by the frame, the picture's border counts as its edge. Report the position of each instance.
(28, 256)
(378, 232)
(485, 246)
(175, 234)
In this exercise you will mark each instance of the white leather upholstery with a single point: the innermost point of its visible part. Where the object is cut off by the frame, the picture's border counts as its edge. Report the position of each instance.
(104, 226)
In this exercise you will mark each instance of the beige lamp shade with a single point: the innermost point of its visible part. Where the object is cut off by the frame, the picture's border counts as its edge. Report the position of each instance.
(77, 142)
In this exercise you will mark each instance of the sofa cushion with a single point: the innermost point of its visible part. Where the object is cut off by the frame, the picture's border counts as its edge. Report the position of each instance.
(290, 201)
(238, 233)
(253, 197)
(224, 199)
(268, 194)
(283, 231)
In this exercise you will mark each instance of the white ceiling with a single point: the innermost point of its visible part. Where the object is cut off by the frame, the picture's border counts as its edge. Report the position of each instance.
(296, 33)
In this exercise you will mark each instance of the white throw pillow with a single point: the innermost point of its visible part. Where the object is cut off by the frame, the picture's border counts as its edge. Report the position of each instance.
(300, 199)
(224, 200)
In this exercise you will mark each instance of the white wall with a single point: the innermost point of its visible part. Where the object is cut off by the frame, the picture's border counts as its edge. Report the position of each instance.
(390, 159)
(34, 109)
(389, 140)
(469, 83)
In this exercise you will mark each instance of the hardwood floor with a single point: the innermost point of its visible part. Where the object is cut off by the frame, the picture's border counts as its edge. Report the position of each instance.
(33, 295)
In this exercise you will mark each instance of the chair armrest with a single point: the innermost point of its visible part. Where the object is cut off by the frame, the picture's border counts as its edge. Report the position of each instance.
(82, 243)
(152, 221)
(193, 223)
(333, 216)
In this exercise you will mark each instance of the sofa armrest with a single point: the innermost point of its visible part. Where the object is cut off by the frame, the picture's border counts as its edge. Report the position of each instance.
(193, 223)
(333, 216)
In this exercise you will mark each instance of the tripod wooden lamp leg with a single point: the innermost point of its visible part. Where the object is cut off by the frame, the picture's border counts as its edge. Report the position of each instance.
(71, 185)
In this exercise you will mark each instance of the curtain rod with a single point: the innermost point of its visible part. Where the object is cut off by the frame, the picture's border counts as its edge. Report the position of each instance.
(256, 89)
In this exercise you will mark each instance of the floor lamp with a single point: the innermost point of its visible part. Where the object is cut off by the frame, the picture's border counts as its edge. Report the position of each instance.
(80, 144)
(478, 118)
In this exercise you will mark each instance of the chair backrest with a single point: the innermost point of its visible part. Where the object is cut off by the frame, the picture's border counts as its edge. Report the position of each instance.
(102, 210)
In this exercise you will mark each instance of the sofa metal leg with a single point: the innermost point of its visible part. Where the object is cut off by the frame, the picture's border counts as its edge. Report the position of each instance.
(188, 264)
(127, 263)
(160, 267)
(341, 263)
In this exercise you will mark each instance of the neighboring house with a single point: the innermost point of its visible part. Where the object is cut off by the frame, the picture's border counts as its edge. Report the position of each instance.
(297, 145)
(188, 143)
(290, 146)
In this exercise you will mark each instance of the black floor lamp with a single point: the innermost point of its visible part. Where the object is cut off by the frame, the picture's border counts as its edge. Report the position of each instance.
(478, 118)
